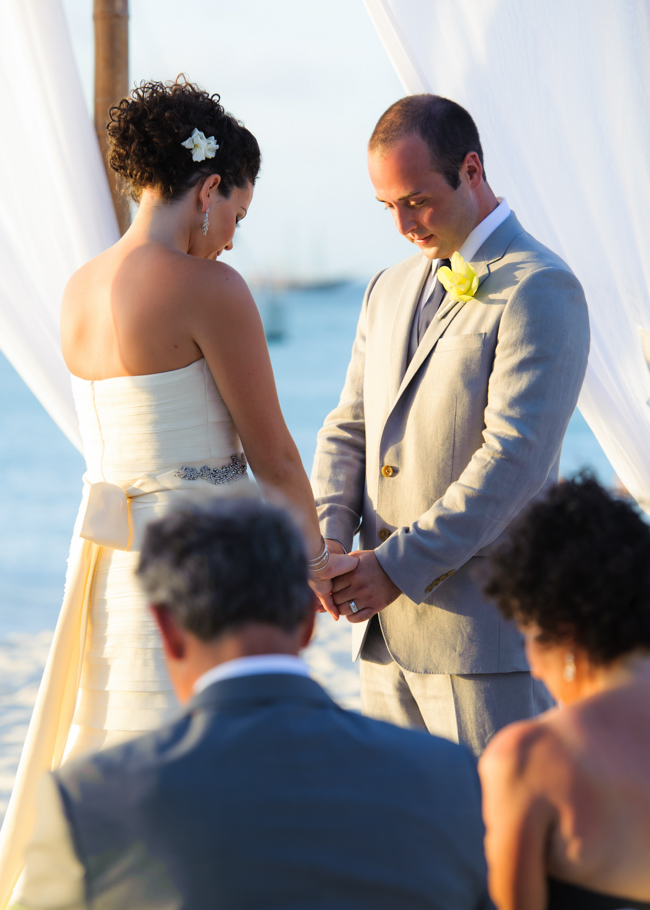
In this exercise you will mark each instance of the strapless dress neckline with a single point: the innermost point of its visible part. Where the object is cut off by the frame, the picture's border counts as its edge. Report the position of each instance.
(141, 376)
(565, 896)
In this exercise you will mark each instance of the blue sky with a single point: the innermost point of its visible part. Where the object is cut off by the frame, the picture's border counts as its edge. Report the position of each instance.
(310, 80)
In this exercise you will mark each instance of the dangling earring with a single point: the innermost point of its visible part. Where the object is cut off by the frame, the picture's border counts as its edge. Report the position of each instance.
(569, 667)
(206, 222)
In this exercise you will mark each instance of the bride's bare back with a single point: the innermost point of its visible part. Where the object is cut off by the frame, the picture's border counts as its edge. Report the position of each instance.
(142, 305)
(123, 314)
(148, 306)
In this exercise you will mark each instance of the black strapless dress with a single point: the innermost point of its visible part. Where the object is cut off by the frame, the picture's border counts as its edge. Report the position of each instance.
(563, 896)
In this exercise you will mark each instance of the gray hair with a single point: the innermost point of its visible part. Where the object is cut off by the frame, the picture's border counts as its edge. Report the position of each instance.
(220, 566)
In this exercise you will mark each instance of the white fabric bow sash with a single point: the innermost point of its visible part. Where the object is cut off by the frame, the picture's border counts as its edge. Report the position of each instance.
(106, 514)
(106, 519)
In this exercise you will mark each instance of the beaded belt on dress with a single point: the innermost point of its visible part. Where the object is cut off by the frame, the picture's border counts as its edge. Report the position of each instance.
(106, 520)
(228, 473)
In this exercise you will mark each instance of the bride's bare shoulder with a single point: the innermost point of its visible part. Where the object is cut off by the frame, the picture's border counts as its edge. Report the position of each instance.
(86, 273)
(215, 290)
(210, 277)
(157, 273)
(86, 288)
(149, 282)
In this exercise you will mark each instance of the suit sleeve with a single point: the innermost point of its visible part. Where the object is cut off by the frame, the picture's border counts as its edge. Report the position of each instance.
(338, 475)
(53, 877)
(539, 365)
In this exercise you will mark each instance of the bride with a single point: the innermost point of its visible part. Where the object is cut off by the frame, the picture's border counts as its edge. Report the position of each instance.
(175, 394)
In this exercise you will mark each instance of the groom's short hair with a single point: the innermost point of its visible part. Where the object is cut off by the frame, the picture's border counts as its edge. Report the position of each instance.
(219, 566)
(446, 127)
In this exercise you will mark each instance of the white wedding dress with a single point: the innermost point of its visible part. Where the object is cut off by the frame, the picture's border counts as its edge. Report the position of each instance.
(148, 440)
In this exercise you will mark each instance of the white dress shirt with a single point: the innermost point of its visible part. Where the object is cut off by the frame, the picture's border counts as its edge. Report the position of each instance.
(251, 666)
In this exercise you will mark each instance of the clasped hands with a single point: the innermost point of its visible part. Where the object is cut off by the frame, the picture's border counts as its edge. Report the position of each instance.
(357, 578)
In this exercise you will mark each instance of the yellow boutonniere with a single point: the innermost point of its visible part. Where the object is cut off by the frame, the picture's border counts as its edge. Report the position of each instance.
(460, 281)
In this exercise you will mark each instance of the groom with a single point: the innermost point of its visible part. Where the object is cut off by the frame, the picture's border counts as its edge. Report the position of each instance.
(450, 422)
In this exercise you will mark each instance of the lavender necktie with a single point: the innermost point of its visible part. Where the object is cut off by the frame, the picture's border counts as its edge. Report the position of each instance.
(430, 308)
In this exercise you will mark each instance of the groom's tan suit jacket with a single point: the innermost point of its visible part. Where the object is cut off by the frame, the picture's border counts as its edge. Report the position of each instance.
(435, 458)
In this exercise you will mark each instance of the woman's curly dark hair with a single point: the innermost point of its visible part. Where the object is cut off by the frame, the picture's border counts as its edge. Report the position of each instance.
(145, 133)
(578, 566)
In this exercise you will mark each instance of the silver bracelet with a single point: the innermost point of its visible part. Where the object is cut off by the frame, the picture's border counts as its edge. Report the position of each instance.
(319, 562)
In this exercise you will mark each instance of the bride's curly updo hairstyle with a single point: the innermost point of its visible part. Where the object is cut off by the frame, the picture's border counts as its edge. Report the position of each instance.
(147, 129)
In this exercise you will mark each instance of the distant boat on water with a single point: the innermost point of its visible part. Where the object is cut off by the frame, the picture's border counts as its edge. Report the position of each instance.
(273, 312)
(317, 284)
(270, 299)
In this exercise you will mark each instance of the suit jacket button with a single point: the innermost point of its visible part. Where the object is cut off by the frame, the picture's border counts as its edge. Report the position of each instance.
(387, 470)
(384, 534)
(428, 589)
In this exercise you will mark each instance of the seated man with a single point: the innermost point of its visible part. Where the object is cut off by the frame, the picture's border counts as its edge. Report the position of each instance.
(264, 793)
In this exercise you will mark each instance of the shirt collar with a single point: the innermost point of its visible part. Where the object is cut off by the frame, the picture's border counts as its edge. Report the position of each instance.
(475, 239)
(251, 666)
(482, 231)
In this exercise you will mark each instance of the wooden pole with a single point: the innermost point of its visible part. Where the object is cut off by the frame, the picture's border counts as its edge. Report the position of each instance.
(111, 19)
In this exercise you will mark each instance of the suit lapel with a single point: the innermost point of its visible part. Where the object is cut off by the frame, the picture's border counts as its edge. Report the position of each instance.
(492, 250)
(403, 322)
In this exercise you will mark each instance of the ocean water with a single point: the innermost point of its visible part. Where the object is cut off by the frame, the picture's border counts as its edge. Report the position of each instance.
(41, 471)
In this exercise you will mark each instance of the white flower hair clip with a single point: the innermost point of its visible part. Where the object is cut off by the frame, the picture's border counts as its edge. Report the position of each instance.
(201, 147)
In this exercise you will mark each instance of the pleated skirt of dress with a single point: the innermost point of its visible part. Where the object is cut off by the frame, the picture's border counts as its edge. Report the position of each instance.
(125, 689)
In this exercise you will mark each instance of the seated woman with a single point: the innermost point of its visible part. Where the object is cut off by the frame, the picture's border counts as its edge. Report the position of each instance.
(567, 795)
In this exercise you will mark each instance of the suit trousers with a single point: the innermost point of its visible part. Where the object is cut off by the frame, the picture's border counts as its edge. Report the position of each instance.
(463, 708)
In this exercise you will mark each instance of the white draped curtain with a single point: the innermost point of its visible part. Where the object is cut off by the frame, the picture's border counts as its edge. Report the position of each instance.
(561, 95)
(56, 210)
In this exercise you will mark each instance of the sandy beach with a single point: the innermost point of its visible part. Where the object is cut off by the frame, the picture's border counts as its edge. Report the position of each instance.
(22, 658)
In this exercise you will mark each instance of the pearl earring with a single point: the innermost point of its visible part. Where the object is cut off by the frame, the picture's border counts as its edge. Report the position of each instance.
(569, 667)
(206, 222)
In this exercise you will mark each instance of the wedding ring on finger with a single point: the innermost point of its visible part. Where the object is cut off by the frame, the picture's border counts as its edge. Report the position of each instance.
(353, 606)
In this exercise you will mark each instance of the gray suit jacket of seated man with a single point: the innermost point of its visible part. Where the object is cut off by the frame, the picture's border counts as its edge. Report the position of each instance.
(264, 794)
